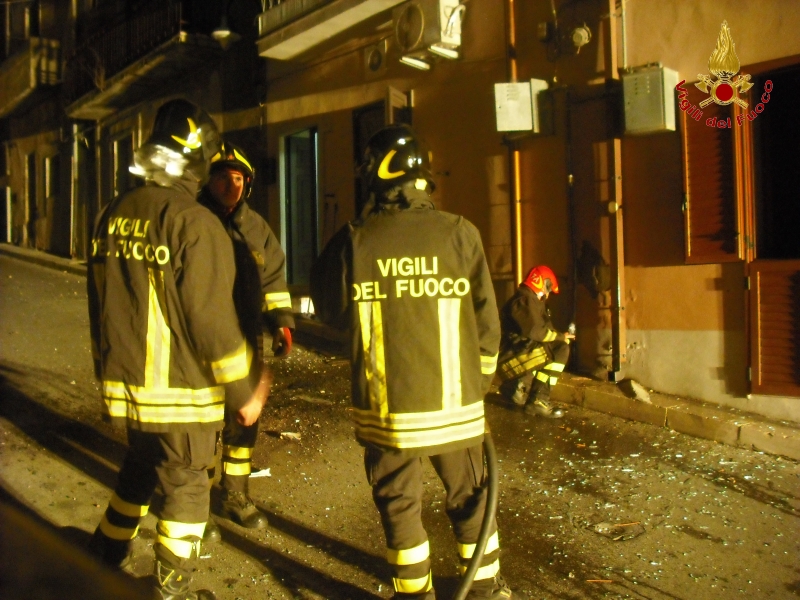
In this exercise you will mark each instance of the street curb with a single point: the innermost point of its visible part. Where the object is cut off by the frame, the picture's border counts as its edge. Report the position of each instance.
(695, 418)
(44, 259)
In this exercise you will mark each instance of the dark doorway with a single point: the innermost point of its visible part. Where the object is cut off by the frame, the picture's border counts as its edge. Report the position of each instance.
(776, 131)
(123, 159)
(30, 198)
(301, 205)
(367, 121)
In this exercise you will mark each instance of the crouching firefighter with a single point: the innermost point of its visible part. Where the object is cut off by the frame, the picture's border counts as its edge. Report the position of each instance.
(262, 299)
(413, 286)
(532, 353)
(167, 344)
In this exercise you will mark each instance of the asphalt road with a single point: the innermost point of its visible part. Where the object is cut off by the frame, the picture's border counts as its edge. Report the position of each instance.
(590, 507)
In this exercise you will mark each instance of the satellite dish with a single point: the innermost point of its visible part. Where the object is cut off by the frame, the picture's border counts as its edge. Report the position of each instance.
(409, 26)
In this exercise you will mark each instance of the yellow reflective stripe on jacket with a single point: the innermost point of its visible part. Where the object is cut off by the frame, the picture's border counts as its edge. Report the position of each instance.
(467, 550)
(233, 367)
(488, 364)
(409, 556)
(156, 366)
(550, 336)
(450, 351)
(416, 430)
(275, 300)
(168, 405)
(126, 508)
(369, 314)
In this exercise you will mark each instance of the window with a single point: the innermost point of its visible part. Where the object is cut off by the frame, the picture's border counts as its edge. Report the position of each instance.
(300, 204)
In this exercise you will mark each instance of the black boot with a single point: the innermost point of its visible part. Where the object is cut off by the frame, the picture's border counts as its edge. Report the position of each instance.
(174, 584)
(111, 552)
(212, 534)
(239, 508)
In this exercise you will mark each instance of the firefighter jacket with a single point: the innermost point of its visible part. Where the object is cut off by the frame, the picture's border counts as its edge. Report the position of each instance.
(527, 329)
(165, 335)
(260, 291)
(413, 285)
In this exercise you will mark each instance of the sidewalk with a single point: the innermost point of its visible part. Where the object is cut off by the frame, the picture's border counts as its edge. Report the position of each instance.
(698, 419)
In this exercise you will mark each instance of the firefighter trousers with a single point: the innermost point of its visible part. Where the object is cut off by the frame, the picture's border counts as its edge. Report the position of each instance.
(533, 373)
(396, 481)
(238, 442)
(178, 461)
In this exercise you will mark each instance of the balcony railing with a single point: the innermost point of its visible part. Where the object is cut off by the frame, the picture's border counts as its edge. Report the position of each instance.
(109, 52)
(36, 63)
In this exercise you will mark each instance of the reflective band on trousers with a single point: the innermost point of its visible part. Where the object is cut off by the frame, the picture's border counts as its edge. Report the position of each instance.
(409, 556)
(413, 586)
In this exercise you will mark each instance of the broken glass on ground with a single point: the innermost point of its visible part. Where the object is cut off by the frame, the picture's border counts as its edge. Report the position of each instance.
(618, 532)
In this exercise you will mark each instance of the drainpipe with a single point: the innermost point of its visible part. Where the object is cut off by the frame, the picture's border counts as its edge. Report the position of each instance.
(513, 155)
(73, 195)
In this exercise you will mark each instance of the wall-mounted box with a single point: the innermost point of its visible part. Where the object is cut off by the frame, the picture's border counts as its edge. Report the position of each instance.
(523, 106)
(649, 99)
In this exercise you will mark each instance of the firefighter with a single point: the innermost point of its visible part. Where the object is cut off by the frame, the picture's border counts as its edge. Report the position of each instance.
(167, 344)
(532, 352)
(413, 286)
(261, 295)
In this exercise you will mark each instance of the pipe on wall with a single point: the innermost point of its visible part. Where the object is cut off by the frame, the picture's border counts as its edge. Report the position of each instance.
(513, 154)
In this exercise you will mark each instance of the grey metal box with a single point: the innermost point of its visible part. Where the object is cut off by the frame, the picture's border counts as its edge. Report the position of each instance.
(649, 99)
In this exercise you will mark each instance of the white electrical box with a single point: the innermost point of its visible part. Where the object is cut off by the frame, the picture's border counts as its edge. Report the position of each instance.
(518, 106)
(649, 99)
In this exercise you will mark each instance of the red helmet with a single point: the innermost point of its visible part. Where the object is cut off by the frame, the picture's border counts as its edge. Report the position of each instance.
(541, 279)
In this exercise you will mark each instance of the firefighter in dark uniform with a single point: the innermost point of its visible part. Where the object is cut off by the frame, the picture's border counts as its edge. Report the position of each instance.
(167, 344)
(261, 296)
(412, 284)
(532, 353)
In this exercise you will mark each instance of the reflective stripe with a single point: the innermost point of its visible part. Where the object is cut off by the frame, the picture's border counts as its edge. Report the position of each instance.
(518, 365)
(176, 529)
(420, 420)
(554, 366)
(409, 556)
(277, 300)
(236, 468)
(487, 572)
(488, 364)
(553, 381)
(374, 362)
(117, 533)
(168, 405)
(180, 548)
(237, 452)
(156, 366)
(550, 336)
(542, 376)
(467, 550)
(449, 348)
(415, 430)
(413, 586)
(126, 508)
(233, 367)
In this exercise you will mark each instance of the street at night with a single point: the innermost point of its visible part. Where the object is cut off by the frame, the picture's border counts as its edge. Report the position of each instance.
(591, 506)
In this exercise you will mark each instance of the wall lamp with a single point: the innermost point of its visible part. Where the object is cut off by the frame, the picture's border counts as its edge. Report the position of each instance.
(417, 63)
(444, 51)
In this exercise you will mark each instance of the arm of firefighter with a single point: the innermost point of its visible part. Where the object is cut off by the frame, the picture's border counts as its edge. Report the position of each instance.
(532, 320)
(277, 303)
(250, 412)
(485, 306)
(330, 277)
(204, 271)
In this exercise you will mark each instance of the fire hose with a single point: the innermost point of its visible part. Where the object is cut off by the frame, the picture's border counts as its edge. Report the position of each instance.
(488, 518)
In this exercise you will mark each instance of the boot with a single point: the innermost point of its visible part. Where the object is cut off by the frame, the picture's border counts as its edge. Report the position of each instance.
(498, 590)
(212, 534)
(174, 584)
(430, 595)
(543, 408)
(514, 391)
(111, 552)
(239, 508)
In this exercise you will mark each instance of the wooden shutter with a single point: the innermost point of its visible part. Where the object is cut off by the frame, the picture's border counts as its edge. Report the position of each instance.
(775, 322)
(712, 212)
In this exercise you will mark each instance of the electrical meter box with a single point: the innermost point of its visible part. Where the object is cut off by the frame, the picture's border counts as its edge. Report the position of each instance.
(649, 98)
(523, 106)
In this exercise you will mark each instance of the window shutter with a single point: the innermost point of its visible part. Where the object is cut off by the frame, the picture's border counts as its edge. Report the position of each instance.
(712, 215)
(775, 318)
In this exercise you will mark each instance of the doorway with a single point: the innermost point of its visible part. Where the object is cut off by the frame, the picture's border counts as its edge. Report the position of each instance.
(300, 204)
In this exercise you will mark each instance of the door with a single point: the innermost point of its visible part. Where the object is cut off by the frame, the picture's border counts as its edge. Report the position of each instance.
(300, 204)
